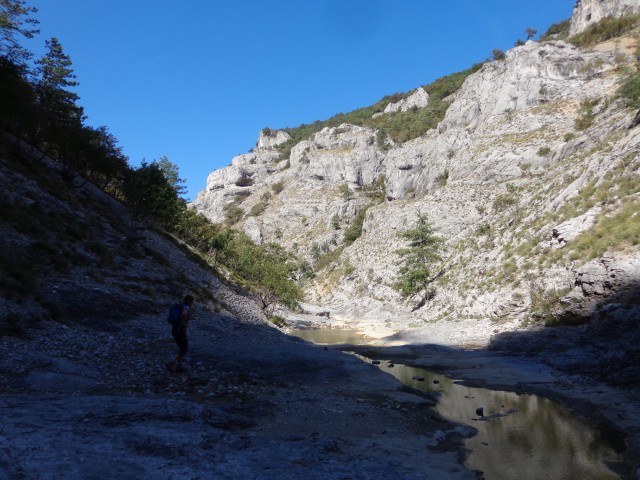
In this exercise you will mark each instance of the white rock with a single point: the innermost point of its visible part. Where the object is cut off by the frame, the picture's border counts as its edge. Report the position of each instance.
(510, 132)
(418, 99)
(272, 138)
(588, 12)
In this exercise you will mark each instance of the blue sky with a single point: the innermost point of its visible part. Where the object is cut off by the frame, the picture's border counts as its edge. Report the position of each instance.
(196, 80)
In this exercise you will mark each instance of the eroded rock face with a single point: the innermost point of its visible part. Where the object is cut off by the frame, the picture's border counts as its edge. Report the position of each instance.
(226, 184)
(530, 75)
(588, 12)
(496, 175)
(495, 102)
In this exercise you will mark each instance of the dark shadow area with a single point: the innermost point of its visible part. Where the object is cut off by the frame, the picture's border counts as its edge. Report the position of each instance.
(606, 346)
(520, 417)
(603, 346)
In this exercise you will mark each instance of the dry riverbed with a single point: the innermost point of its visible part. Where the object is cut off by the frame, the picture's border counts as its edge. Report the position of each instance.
(255, 404)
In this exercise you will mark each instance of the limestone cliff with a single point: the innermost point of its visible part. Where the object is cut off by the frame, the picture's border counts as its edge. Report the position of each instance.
(532, 159)
(589, 12)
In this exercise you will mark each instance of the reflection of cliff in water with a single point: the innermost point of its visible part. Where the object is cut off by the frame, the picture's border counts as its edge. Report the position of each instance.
(522, 437)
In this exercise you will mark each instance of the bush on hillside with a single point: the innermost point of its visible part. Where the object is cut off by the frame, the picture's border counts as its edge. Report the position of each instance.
(355, 230)
(630, 89)
(265, 269)
(557, 31)
(605, 29)
(400, 126)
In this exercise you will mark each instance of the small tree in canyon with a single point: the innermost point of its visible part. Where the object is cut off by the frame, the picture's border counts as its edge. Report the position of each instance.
(418, 260)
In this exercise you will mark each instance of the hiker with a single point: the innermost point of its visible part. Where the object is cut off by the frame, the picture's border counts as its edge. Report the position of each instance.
(179, 317)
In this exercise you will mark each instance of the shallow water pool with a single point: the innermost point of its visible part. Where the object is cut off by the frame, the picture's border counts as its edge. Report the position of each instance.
(523, 437)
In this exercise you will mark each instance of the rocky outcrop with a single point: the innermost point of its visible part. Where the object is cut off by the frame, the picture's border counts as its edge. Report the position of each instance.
(272, 138)
(589, 12)
(568, 231)
(530, 75)
(418, 99)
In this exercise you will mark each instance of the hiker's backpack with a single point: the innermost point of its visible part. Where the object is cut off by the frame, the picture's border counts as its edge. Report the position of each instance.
(175, 313)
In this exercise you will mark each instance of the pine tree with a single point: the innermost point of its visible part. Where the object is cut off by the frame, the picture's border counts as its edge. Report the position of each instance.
(151, 197)
(56, 77)
(424, 250)
(171, 173)
(15, 23)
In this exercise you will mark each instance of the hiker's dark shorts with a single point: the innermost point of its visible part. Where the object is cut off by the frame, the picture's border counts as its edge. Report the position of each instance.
(180, 336)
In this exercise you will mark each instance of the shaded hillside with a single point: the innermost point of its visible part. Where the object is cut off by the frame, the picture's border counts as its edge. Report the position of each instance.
(84, 341)
(71, 253)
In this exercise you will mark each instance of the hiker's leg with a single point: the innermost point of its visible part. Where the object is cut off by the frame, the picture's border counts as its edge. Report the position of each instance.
(183, 345)
(175, 332)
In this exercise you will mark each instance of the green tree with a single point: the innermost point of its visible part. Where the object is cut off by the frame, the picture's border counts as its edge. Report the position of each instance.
(557, 31)
(172, 174)
(15, 22)
(196, 230)
(200, 233)
(56, 77)
(417, 260)
(530, 32)
(151, 197)
(17, 99)
(60, 129)
(266, 270)
(102, 159)
(497, 54)
(276, 284)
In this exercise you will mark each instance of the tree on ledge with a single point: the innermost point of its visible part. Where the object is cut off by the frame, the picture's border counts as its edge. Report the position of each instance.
(423, 252)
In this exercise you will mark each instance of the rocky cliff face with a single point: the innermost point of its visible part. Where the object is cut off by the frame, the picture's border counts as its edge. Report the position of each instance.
(588, 12)
(527, 164)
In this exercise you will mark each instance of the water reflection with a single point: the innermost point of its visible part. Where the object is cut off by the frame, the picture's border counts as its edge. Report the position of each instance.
(330, 336)
(521, 437)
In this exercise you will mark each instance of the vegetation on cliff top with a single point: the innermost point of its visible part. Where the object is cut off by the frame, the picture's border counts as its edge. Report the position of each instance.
(400, 126)
(605, 29)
